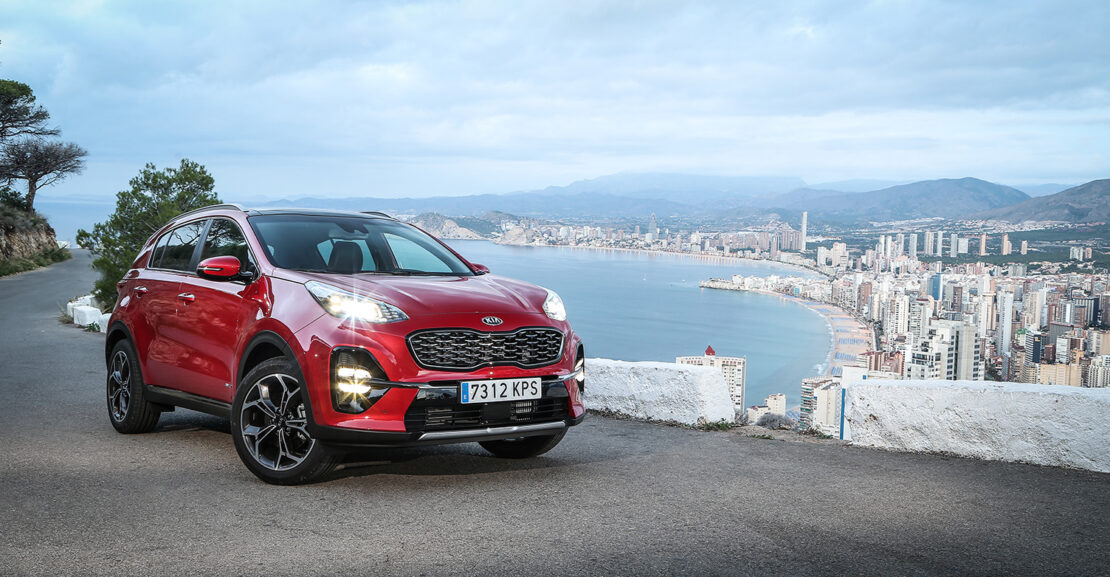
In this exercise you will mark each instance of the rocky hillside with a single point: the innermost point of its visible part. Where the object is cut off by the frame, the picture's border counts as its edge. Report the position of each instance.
(26, 241)
(1086, 203)
(24, 235)
(443, 227)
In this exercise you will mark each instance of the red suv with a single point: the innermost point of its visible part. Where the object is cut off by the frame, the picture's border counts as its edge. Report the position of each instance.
(313, 330)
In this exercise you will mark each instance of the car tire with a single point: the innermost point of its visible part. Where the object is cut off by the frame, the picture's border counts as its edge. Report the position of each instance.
(128, 409)
(523, 447)
(269, 426)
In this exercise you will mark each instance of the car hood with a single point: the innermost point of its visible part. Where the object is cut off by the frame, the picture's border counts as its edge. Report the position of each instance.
(433, 295)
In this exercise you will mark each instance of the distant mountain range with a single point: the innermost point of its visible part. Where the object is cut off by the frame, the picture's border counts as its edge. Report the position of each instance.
(1086, 203)
(726, 199)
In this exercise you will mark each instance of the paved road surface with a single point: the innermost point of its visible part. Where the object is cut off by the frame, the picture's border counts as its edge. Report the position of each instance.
(615, 498)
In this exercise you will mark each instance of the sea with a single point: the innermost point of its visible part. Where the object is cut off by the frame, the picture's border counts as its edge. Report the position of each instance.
(641, 306)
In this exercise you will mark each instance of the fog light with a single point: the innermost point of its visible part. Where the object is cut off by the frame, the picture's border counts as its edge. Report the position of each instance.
(354, 380)
(352, 371)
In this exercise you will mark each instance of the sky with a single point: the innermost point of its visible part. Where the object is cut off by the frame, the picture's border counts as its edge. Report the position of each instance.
(332, 99)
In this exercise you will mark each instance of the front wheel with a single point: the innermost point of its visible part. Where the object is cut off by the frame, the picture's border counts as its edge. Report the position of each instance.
(269, 426)
(524, 447)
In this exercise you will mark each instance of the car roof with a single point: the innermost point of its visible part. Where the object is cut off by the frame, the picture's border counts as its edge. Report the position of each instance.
(233, 207)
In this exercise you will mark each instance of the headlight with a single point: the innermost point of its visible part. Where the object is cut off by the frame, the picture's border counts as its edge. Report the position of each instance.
(553, 307)
(347, 305)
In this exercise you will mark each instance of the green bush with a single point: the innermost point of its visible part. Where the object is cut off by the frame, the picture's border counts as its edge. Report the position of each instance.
(45, 258)
(155, 198)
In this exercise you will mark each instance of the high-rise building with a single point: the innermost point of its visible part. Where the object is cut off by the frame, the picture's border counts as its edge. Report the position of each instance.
(1024, 247)
(940, 243)
(983, 244)
(955, 242)
(929, 243)
(733, 368)
(1007, 248)
(805, 222)
(653, 227)
(948, 351)
(1005, 322)
(820, 404)
(936, 286)
(1098, 375)
(1034, 347)
(913, 245)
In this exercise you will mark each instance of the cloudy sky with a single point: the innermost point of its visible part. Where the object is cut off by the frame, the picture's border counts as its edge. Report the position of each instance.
(290, 99)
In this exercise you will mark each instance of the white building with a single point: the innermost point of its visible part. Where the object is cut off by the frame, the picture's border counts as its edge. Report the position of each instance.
(1098, 375)
(733, 369)
(820, 406)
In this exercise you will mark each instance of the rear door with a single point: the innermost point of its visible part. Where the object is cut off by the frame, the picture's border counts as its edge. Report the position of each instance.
(166, 350)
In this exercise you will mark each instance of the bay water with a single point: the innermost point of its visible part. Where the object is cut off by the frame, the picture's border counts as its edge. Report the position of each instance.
(638, 306)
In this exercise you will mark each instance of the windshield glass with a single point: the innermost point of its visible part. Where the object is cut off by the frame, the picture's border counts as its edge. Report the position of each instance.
(352, 245)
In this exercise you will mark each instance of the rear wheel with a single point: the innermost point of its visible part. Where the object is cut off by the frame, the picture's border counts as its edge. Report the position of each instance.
(269, 426)
(523, 447)
(128, 408)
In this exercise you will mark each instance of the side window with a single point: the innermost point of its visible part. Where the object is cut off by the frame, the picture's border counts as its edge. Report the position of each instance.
(225, 239)
(180, 247)
(159, 250)
(412, 256)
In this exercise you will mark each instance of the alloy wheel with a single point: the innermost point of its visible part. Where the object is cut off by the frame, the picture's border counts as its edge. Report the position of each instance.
(273, 423)
(119, 386)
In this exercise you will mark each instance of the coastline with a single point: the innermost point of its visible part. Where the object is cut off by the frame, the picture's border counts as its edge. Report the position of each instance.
(709, 258)
(849, 338)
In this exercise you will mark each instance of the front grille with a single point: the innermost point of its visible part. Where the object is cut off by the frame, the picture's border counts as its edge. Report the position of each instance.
(450, 417)
(467, 349)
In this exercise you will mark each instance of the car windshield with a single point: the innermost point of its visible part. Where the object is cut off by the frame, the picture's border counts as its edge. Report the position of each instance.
(352, 245)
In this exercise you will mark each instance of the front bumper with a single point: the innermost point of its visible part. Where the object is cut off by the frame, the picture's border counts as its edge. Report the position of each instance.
(421, 406)
(351, 437)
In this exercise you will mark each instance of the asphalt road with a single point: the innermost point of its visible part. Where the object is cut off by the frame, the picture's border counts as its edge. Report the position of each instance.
(615, 498)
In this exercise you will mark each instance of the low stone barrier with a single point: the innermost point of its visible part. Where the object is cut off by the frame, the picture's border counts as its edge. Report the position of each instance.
(658, 391)
(1041, 424)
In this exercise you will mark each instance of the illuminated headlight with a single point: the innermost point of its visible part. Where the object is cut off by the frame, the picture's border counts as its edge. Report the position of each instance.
(553, 307)
(347, 305)
(351, 373)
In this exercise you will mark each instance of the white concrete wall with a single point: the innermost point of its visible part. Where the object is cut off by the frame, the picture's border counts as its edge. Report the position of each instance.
(1041, 424)
(660, 391)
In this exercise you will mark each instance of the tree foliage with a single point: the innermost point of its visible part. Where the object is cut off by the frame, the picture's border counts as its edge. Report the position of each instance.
(19, 115)
(156, 197)
(40, 162)
(26, 150)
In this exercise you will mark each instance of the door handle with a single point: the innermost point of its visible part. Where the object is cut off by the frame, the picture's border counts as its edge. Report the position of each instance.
(187, 297)
(140, 291)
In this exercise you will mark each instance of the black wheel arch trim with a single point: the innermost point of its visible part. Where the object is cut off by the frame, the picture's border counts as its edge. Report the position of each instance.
(110, 340)
(263, 338)
(274, 339)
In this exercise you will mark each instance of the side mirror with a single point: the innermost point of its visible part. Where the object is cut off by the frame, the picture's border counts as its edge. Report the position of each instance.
(219, 268)
(479, 268)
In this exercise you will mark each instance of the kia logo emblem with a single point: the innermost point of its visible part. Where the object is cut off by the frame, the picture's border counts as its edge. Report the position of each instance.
(492, 321)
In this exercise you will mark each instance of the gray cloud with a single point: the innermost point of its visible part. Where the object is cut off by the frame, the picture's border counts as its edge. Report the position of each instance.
(287, 99)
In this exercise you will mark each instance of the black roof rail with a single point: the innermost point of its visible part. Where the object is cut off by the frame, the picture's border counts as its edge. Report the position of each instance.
(225, 205)
(378, 213)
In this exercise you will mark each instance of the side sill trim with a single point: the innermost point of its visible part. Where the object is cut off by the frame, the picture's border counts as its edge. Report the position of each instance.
(185, 400)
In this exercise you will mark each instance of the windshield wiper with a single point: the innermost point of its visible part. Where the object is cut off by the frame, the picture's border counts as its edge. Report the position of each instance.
(410, 272)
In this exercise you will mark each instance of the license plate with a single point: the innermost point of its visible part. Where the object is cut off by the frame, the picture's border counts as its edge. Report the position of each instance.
(499, 390)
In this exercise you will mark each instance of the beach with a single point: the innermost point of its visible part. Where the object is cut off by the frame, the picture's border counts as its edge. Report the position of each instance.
(849, 338)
